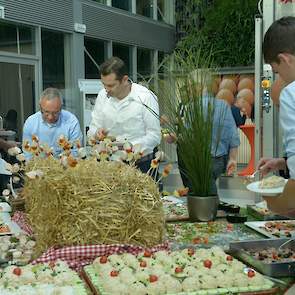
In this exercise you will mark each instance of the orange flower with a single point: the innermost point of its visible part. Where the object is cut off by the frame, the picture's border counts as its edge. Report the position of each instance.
(67, 146)
(78, 144)
(167, 170)
(35, 138)
(26, 146)
(154, 163)
(92, 141)
(181, 192)
(61, 141)
(34, 146)
(72, 162)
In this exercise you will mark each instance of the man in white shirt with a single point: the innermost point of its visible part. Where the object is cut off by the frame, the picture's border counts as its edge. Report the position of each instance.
(125, 110)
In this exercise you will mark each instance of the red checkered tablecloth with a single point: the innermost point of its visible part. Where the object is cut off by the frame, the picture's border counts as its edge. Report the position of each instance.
(79, 256)
(20, 218)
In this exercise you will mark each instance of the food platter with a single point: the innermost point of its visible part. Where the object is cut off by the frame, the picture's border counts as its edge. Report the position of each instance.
(188, 271)
(268, 192)
(206, 234)
(274, 228)
(261, 254)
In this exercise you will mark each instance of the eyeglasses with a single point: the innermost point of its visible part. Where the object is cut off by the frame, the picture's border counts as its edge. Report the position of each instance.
(47, 113)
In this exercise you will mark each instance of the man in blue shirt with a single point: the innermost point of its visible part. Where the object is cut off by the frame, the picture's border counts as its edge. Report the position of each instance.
(225, 143)
(51, 122)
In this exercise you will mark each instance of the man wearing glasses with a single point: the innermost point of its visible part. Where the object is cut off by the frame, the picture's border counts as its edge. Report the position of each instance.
(51, 122)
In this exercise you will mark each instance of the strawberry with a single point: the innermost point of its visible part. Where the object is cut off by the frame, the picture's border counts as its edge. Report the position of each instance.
(229, 258)
(142, 263)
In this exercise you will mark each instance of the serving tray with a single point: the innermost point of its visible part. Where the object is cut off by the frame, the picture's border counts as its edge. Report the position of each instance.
(95, 285)
(260, 226)
(275, 269)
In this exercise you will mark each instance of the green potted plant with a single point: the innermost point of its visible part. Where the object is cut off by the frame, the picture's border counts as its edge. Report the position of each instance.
(189, 118)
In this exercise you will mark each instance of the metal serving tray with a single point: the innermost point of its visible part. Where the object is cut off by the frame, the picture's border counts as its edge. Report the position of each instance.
(274, 269)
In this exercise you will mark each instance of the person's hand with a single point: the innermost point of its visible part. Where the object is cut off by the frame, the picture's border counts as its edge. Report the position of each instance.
(170, 137)
(267, 165)
(231, 167)
(101, 134)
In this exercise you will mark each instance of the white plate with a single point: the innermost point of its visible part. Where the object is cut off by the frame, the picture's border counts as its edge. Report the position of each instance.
(173, 200)
(268, 192)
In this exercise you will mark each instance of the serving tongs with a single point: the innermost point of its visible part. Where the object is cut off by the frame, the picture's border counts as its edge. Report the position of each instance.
(285, 243)
(252, 176)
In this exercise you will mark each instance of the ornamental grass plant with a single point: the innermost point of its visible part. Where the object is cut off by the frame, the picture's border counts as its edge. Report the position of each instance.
(188, 110)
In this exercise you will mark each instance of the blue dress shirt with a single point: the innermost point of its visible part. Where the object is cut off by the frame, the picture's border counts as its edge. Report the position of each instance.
(67, 125)
(224, 129)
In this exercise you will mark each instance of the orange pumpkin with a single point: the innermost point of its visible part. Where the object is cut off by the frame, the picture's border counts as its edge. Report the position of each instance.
(226, 95)
(276, 89)
(234, 77)
(246, 83)
(228, 84)
(249, 76)
(214, 87)
(247, 94)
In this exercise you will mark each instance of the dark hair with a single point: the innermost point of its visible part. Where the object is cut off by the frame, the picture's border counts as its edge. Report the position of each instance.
(279, 38)
(114, 65)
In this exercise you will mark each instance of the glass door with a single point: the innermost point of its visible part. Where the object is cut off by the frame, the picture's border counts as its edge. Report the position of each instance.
(17, 94)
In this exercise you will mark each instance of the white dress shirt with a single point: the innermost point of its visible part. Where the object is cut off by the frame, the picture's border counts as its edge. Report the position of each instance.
(287, 120)
(129, 118)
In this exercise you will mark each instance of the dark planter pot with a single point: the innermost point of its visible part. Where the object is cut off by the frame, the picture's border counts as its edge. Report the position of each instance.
(202, 208)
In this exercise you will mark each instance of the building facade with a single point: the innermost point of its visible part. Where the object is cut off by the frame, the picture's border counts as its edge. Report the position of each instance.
(54, 43)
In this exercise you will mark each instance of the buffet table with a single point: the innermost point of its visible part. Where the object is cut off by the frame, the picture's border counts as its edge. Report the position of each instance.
(181, 234)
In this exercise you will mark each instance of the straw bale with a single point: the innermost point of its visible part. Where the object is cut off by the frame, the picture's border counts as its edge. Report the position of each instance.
(92, 203)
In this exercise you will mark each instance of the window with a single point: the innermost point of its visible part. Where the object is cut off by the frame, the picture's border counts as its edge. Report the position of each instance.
(101, 1)
(94, 56)
(16, 39)
(144, 7)
(162, 9)
(53, 59)
(122, 4)
(124, 52)
(144, 64)
(162, 62)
